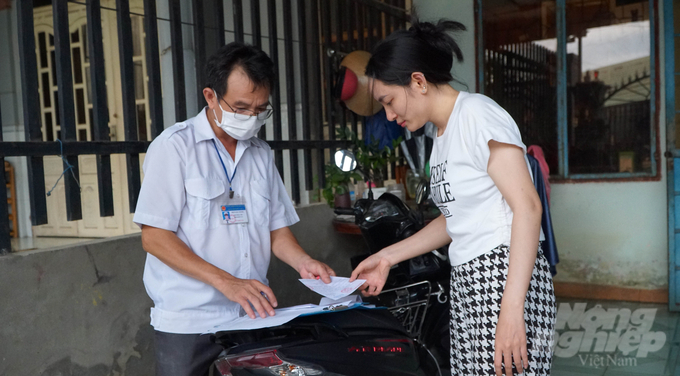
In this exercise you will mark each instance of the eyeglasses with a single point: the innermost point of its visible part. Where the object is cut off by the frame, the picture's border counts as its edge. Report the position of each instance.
(243, 114)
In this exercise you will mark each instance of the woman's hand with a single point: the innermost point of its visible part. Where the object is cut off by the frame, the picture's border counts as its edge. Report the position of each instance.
(511, 342)
(374, 270)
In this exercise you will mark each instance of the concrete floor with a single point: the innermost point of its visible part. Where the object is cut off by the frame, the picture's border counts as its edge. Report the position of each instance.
(27, 244)
(616, 338)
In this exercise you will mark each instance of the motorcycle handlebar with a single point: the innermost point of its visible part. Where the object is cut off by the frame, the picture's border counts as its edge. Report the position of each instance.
(344, 211)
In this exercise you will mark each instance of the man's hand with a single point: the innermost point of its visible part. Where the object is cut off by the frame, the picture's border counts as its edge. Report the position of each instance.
(313, 269)
(250, 291)
(287, 249)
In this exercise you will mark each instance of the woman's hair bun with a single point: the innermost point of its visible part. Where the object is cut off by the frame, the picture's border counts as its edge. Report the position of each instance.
(437, 35)
(426, 47)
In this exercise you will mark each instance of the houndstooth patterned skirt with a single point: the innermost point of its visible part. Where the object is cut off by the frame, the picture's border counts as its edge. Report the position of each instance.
(476, 291)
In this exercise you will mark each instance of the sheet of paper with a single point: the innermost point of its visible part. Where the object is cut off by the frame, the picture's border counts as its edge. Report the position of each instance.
(352, 299)
(282, 316)
(338, 288)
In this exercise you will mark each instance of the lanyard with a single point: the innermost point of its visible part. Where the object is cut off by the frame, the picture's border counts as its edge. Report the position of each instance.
(231, 192)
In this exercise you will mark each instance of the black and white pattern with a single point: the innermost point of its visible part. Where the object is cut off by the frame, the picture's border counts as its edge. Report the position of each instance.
(476, 291)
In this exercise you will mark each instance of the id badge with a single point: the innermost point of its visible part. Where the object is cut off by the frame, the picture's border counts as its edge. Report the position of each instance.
(234, 212)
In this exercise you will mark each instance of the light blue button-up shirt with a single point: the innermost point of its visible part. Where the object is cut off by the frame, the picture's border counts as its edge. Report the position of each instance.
(183, 189)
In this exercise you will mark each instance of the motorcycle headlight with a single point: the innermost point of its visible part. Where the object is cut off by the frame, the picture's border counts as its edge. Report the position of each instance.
(266, 363)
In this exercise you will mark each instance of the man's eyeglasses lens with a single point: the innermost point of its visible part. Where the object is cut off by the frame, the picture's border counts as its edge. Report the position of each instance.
(246, 114)
(264, 115)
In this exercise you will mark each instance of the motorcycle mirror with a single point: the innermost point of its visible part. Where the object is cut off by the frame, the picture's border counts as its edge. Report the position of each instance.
(422, 191)
(345, 160)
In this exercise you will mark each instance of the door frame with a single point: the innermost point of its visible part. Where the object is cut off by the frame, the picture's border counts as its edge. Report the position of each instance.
(672, 155)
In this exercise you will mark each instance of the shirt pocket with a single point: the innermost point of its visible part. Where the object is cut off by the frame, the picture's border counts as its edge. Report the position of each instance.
(261, 202)
(201, 195)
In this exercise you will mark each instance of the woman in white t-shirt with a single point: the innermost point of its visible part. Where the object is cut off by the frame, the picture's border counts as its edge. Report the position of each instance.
(502, 299)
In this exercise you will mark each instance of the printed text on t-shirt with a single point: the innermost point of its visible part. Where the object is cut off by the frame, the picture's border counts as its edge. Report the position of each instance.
(441, 189)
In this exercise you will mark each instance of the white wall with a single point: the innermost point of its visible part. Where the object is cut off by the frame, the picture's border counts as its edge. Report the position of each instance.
(463, 12)
(612, 233)
(607, 233)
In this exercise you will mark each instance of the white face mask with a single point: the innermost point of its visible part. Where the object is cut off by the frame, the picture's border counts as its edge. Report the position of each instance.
(238, 129)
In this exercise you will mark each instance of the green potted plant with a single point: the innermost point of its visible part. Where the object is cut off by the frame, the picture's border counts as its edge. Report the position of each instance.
(336, 190)
(370, 156)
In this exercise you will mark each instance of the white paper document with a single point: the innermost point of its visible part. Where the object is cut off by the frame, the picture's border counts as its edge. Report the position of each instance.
(352, 299)
(338, 288)
(283, 315)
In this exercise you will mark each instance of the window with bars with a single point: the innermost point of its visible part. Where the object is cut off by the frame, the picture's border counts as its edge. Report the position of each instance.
(605, 124)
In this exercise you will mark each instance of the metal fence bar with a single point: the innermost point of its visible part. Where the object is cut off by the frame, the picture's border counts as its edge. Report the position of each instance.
(387, 9)
(62, 49)
(353, 46)
(339, 47)
(40, 148)
(153, 68)
(127, 76)
(316, 46)
(31, 106)
(479, 26)
(257, 41)
(199, 50)
(237, 7)
(276, 91)
(5, 238)
(219, 22)
(351, 25)
(392, 21)
(562, 116)
(382, 21)
(255, 23)
(304, 91)
(290, 96)
(361, 17)
(372, 38)
(387, 23)
(653, 9)
(311, 144)
(327, 39)
(100, 108)
(178, 60)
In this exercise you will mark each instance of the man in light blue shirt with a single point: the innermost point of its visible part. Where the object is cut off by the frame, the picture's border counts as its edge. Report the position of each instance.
(212, 209)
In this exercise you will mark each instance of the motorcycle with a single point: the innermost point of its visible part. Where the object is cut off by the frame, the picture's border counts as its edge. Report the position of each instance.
(409, 337)
(416, 290)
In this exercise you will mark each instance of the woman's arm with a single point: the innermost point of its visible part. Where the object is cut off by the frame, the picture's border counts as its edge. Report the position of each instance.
(507, 167)
(376, 267)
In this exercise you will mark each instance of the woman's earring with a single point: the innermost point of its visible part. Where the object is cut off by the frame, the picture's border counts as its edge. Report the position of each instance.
(424, 90)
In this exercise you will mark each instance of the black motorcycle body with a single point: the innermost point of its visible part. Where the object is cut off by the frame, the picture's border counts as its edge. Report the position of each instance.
(388, 220)
(359, 341)
(351, 342)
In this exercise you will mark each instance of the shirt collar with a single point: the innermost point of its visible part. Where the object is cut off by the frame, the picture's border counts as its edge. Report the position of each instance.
(203, 131)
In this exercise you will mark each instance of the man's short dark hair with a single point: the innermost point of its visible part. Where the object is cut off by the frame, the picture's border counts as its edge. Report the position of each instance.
(254, 62)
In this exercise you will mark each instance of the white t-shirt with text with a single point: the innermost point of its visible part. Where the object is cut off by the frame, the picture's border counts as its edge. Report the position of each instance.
(478, 219)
